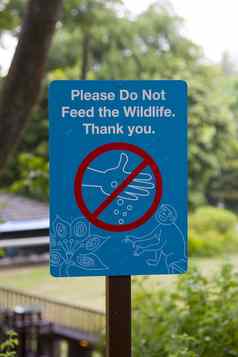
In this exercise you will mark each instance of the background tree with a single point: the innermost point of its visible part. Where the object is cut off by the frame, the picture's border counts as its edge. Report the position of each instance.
(223, 186)
(22, 85)
(149, 46)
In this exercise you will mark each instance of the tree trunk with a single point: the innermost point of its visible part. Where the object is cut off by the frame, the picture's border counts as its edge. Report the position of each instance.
(22, 84)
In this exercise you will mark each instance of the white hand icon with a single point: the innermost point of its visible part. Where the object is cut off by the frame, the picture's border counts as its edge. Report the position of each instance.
(108, 180)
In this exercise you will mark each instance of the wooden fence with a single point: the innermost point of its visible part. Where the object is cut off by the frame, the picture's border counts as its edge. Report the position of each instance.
(90, 321)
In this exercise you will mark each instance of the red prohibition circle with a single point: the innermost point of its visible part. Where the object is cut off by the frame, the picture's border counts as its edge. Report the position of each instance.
(91, 216)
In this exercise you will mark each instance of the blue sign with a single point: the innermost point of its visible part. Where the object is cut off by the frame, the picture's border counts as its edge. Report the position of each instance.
(118, 177)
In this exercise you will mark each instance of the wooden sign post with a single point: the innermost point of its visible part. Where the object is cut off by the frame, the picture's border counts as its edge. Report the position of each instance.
(118, 316)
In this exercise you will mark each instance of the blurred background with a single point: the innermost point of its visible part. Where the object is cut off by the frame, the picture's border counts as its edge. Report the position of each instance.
(110, 39)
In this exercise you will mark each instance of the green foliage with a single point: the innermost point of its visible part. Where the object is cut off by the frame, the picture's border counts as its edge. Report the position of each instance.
(8, 347)
(211, 131)
(96, 41)
(10, 13)
(223, 186)
(34, 179)
(198, 318)
(212, 231)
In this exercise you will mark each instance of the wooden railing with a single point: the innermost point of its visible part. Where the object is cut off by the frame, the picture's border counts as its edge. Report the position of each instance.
(25, 233)
(72, 316)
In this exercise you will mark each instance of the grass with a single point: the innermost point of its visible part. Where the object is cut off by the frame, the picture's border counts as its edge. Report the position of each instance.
(89, 291)
(37, 280)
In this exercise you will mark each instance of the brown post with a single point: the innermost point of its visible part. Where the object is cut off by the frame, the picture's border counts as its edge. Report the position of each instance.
(118, 315)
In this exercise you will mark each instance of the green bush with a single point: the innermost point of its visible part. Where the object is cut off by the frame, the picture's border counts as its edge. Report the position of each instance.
(8, 346)
(212, 231)
(34, 177)
(196, 319)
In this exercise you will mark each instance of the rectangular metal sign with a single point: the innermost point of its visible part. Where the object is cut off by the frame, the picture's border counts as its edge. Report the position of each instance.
(118, 177)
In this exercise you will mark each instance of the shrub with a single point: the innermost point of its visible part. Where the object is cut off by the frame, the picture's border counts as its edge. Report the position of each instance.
(34, 179)
(8, 347)
(212, 231)
(196, 319)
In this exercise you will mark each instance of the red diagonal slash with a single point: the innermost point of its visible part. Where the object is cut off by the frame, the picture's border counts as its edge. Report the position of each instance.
(93, 217)
(119, 189)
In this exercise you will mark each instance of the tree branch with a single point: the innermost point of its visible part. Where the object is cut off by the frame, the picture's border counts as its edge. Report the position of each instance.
(22, 84)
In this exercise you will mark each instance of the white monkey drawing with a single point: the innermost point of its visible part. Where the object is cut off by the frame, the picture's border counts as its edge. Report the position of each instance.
(166, 239)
